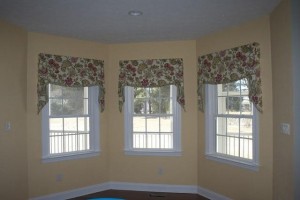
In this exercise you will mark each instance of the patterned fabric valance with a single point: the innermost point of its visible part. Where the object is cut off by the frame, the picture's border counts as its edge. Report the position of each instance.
(151, 73)
(231, 65)
(69, 72)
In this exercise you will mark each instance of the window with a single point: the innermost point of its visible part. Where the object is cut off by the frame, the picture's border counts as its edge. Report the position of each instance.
(231, 124)
(152, 121)
(70, 123)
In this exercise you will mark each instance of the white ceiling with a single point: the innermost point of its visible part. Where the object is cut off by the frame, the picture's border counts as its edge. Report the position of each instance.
(107, 21)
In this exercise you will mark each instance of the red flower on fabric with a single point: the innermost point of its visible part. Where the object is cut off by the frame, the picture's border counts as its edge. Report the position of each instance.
(69, 81)
(255, 99)
(241, 56)
(51, 62)
(74, 59)
(122, 76)
(207, 63)
(169, 67)
(145, 82)
(257, 73)
(179, 74)
(159, 74)
(129, 66)
(44, 71)
(92, 67)
(181, 101)
(149, 62)
(218, 78)
(222, 53)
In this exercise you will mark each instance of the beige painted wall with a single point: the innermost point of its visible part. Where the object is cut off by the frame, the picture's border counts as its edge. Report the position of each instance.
(13, 158)
(234, 182)
(76, 173)
(192, 167)
(283, 100)
(180, 170)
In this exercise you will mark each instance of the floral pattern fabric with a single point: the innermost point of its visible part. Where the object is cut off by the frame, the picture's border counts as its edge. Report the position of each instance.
(69, 72)
(231, 65)
(151, 73)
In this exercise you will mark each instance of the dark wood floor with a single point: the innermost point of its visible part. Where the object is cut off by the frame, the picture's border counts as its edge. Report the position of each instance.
(137, 195)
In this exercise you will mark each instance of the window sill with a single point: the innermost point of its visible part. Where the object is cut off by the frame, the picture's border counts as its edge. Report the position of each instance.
(73, 156)
(250, 165)
(152, 153)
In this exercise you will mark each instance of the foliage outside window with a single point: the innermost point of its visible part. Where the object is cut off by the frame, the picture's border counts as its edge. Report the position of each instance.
(152, 120)
(231, 123)
(70, 123)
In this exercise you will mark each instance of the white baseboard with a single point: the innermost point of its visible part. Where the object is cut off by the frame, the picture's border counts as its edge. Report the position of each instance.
(153, 187)
(211, 195)
(74, 193)
(134, 187)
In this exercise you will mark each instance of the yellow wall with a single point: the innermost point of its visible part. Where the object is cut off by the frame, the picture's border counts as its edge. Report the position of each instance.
(180, 170)
(283, 100)
(13, 160)
(76, 173)
(22, 144)
(234, 182)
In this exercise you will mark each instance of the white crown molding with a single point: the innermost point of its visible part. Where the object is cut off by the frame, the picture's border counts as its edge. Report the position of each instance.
(135, 187)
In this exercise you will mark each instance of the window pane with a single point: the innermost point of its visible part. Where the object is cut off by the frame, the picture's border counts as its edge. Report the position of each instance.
(73, 106)
(166, 140)
(222, 108)
(86, 106)
(139, 106)
(234, 132)
(83, 124)
(139, 124)
(232, 145)
(152, 118)
(233, 88)
(165, 91)
(166, 106)
(83, 143)
(139, 140)
(56, 124)
(246, 148)
(166, 124)
(86, 92)
(55, 91)
(247, 106)
(221, 144)
(73, 92)
(153, 124)
(154, 106)
(233, 125)
(70, 124)
(153, 140)
(55, 106)
(140, 93)
(70, 142)
(246, 127)
(221, 126)
(234, 104)
(244, 86)
(154, 92)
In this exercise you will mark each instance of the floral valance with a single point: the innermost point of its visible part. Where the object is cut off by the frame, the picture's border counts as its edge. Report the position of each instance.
(69, 72)
(231, 65)
(151, 73)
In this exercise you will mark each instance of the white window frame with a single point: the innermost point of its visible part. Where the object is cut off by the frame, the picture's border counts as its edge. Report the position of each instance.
(94, 132)
(210, 133)
(128, 124)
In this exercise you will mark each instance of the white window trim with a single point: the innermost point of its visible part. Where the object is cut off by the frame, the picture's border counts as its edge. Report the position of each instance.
(210, 141)
(94, 133)
(128, 123)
